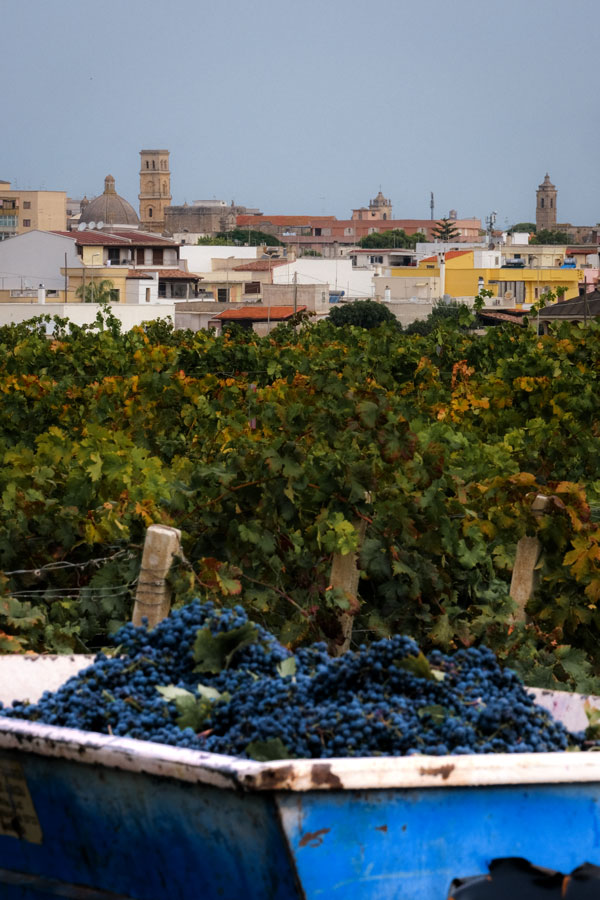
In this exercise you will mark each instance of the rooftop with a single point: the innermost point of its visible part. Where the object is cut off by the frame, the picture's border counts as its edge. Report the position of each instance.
(260, 265)
(260, 313)
(577, 308)
(106, 238)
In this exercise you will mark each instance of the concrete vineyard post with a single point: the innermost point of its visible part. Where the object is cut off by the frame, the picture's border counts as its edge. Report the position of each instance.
(153, 597)
(522, 583)
(345, 574)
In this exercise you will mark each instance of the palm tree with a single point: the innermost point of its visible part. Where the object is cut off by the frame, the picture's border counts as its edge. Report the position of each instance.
(102, 291)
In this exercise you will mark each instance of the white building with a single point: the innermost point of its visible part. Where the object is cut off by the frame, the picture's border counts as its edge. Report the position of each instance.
(339, 274)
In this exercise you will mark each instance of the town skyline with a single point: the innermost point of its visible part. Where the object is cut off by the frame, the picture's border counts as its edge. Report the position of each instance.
(312, 111)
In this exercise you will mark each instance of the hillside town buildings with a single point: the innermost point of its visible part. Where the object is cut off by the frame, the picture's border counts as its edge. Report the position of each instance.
(151, 257)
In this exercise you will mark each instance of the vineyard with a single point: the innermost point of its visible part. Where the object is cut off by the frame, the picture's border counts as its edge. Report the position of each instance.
(422, 454)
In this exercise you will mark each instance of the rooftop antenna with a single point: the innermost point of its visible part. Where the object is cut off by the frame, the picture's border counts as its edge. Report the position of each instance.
(431, 206)
(490, 221)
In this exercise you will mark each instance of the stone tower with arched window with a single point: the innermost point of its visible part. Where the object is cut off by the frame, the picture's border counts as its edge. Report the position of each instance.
(380, 207)
(545, 209)
(155, 189)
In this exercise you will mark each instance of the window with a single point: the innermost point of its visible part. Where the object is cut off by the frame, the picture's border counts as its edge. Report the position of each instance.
(26, 223)
(542, 202)
(113, 256)
(8, 221)
(147, 295)
(551, 203)
(150, 212)
(157, 256)
(153, 164)
(317, 232)
(26, 204)
(222, 295)
(147, 164)
(252, 287)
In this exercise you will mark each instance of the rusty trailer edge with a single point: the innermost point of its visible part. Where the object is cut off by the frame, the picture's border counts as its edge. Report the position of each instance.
(359, 773)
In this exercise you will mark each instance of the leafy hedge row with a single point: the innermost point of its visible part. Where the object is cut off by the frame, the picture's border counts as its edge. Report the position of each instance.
(267, 452)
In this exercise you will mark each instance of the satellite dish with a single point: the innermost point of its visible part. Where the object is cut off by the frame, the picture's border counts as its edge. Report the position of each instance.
(91, 225)
(100, 224)
(81, 227)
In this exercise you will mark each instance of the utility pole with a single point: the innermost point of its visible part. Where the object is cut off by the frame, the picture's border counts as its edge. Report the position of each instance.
(295, 292)
(431, 206)
(66, 280)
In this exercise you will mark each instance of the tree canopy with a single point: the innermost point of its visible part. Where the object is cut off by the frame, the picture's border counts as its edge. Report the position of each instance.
(244, 237)
(364, 313)
(395, 237)
(530, 227)
(446, 230)
(548, 236)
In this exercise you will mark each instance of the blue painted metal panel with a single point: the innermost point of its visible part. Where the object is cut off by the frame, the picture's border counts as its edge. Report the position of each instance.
(102, 828)
(147, 838)
(410, 844)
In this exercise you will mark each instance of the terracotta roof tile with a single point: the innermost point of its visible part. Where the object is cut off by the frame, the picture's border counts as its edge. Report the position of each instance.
(174, 273)
(452, 254)
(107, 238)
(85, 238)
(145, 238)
(259, 313)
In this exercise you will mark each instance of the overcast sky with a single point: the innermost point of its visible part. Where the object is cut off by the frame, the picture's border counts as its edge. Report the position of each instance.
(309, 106)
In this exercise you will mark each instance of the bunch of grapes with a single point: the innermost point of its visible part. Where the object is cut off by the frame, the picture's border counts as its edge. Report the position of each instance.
(384, 699)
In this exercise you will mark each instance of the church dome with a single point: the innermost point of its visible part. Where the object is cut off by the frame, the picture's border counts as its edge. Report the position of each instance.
(110, 208)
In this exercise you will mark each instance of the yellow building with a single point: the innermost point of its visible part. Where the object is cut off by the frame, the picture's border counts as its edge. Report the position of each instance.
(459, 277)
(23, 211)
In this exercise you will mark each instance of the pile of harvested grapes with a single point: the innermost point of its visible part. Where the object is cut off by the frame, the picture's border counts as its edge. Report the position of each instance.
(207, 678)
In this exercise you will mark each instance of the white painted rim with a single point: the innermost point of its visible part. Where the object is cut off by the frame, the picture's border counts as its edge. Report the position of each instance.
(360, 773)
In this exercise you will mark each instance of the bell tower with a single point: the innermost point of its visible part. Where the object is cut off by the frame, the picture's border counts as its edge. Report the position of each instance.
(545, 209)
(155, 189)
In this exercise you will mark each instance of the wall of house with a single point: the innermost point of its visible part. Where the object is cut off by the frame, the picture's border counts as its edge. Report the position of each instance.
(143, 290)
(408, 312)
(47, 210)
(35, 258)
(85, 313)
(420, 287)
(338, 274)
(536, 254)
(459, 280)
(314, 296)
(84, 276)
(199, 258)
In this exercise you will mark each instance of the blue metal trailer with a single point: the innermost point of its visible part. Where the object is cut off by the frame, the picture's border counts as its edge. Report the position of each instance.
(104, 818)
